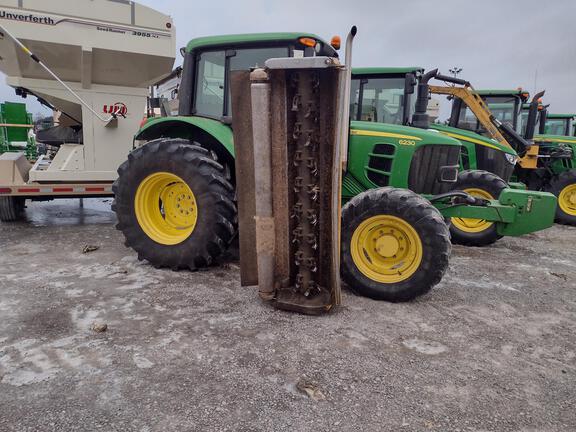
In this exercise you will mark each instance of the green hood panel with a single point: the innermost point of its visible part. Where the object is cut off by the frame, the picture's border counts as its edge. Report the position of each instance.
(473, 137)
(397, 132)
(555, 139)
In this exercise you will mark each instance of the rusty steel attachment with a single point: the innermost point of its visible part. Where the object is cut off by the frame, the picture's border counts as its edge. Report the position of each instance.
(289, 208)
(290, 128)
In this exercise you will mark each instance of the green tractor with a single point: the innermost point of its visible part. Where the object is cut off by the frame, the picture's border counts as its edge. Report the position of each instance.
(386, 96)
(559, 124)
(554, 167)
(175, 195)
(15, 124)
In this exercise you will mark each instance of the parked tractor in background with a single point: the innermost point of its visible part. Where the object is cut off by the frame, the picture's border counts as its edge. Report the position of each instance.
(559, 124)
(555, 155)
(387, 96)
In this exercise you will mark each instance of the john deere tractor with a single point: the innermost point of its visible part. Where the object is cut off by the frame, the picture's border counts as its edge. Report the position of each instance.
(559, 124)
(387, 95)
(175, 195)
(554, 156)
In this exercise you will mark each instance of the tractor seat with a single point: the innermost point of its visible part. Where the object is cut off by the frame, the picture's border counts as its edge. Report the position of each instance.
(58, 135)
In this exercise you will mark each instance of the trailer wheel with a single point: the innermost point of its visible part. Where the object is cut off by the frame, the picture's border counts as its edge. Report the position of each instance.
(395, 245)
(11, 208)
(174, 205)
(477, 232)
(564, 187)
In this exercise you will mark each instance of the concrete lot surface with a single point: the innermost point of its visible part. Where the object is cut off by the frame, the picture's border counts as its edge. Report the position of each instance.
(492, 348)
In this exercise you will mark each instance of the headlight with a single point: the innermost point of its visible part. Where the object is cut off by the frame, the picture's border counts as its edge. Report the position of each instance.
(511, 158)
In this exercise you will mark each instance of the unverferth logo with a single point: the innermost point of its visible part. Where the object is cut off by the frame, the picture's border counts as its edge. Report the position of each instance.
(118, 108)
(31, 18)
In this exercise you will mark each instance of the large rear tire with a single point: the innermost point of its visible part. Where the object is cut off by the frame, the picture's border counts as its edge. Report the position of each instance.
(395, 245)
(11, 208)
(564, 187)
(174, 205)
(477, 232)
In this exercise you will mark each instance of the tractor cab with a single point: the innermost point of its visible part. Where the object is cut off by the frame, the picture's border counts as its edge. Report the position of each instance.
(384, 95)
(203, 111)
(560, 124)
(505, 105)
(201, 87)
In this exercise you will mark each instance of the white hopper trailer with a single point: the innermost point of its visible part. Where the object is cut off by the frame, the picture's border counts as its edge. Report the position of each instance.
(94, 61)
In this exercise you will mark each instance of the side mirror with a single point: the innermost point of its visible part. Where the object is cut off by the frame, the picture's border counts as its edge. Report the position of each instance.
(155, 103)
(410, 83)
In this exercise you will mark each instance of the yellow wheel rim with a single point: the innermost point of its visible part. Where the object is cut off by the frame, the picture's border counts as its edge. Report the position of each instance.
(473, 225)
(166, 208)
(567, 199)
(386, 249)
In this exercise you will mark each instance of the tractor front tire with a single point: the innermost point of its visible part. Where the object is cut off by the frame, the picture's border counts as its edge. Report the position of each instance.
(395, 245)
(564, 187)
(174, 205)
(11, 208)
(477, 232)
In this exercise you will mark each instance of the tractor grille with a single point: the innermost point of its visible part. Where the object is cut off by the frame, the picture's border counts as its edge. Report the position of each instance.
(464, 158)
(425, 169)
(380, 164)
(494, 161)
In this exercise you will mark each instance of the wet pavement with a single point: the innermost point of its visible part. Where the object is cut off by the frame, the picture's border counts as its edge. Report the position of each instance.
(492, 348)
(74, 212)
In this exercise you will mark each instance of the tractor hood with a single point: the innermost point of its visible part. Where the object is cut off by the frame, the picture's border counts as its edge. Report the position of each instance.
(555, 138)
(466, 135)
(414, 136)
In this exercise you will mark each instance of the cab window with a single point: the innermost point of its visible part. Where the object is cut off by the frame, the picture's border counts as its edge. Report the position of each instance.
(245, 59)
(378, 100)
(210, 84)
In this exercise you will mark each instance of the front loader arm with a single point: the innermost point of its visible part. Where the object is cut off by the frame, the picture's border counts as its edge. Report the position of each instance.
(528, 155)
(476, 105)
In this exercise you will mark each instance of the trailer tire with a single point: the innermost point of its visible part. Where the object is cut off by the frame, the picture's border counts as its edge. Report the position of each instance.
(174, 205)
(395, 245)
(477, 232)
(11, 208)
(564, 187)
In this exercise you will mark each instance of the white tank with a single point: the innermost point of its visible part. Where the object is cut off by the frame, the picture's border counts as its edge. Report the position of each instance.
(106, 42)
(108, 52)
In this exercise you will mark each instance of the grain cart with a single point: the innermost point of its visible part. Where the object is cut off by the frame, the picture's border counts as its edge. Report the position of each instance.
(16, 127)
(387, 95)
(93, 60)
(554, 156)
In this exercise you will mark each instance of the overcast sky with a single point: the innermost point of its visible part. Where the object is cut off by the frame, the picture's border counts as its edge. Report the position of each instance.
(498, 43)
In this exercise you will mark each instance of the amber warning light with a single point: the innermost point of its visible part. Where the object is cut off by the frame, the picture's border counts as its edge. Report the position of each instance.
(336, 42)
(309, 42)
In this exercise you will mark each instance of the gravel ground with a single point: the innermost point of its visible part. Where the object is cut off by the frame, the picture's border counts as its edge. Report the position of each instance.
(492, 348)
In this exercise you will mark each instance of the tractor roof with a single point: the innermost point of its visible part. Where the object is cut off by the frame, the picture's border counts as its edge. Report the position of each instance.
(505, 92)
(560, 116)
(248, 38)
(386, 70)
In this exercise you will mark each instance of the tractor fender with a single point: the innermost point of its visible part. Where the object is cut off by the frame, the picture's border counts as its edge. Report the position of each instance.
(211, 134)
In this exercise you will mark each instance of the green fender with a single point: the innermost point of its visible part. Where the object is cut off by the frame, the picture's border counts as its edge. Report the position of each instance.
(180, 127)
